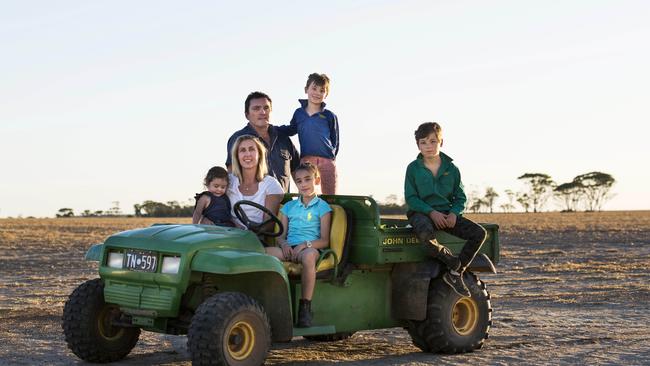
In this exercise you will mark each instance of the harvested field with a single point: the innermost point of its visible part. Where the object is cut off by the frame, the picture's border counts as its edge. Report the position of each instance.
(573, 288)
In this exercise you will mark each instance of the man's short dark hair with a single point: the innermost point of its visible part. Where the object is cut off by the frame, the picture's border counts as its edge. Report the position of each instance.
(255, 95)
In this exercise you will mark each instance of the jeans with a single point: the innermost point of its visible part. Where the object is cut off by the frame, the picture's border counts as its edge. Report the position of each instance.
(465, 229)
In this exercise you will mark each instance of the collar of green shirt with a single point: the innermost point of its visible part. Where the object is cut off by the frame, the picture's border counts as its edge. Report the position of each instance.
(445, 162)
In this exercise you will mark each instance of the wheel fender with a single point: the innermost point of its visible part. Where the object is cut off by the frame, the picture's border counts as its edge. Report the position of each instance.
(410, 288)
(94, 253)
(482, 263)
(271, 288)
(236, 262)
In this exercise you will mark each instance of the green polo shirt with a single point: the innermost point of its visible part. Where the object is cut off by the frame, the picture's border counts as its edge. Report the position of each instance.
(424, 192)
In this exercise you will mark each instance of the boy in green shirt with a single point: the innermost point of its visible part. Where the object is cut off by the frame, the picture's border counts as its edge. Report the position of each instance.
(434, 194)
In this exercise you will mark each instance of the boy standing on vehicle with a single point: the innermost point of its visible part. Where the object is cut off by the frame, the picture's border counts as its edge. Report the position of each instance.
(318, 131)
(434, 194)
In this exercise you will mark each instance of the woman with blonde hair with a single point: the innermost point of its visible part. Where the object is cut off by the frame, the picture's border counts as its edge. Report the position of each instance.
(249, 179)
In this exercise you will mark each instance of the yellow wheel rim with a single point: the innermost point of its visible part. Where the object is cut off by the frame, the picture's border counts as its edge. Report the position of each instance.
(107, 330)
(465, 316)
(241, 340)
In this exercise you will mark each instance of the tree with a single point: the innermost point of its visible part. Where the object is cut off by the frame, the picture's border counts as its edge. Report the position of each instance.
(541, 186)
(524, 200)
(511, 197)
(115, 210)
(171, 209)
(392, 206)
(490, 196)
(471, 197)
(138, 210)
(596, 186)
(507, 207)
(569, 194)
(65, 212)
(476, 204)
(391, 199)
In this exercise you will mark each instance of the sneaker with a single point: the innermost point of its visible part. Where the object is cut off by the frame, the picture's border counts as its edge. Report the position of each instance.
(304, 314)
(455, 281)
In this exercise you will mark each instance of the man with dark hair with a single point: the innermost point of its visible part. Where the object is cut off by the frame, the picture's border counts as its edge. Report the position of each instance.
(282, 157)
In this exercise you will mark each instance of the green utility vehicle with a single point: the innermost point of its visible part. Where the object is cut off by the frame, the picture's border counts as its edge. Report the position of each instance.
(217, 285)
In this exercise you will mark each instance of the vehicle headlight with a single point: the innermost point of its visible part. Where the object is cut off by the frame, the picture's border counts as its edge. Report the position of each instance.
(170, 265)
(115, 259)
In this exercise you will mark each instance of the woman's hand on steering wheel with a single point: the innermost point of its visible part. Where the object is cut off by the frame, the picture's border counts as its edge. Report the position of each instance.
(258, 228)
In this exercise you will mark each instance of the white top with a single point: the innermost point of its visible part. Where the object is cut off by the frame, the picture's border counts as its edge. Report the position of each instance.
(268, 185)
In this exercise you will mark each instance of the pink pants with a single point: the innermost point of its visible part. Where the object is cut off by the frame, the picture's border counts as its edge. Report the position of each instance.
(327, 169)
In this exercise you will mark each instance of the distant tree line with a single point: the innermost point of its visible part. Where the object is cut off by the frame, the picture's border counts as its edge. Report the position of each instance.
(114, 211)
(586, 191)
(159, 209)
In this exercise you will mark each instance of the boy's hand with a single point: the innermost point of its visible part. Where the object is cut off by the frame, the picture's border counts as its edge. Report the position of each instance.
(438, 219)
(451, 220)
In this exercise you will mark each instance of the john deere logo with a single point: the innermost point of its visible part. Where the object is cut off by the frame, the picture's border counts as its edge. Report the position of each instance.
(399, 240)
(308, 216)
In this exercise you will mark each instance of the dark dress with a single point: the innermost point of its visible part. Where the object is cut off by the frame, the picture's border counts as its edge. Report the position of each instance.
(218, 211)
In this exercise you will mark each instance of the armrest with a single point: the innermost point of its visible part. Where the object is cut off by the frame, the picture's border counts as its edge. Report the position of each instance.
(324, 255)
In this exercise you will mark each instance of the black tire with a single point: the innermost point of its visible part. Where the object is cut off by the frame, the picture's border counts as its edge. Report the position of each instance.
(454, 324)
(88, 329)
(329, 337)
(229, 328)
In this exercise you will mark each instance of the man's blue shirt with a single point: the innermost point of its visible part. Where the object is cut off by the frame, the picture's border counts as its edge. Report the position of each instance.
(282, 157)
(318, 134)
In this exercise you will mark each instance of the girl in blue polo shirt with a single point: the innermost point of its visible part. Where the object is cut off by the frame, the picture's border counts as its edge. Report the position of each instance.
(307, 220)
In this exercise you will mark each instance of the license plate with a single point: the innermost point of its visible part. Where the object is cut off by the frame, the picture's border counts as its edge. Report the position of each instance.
(141, 261)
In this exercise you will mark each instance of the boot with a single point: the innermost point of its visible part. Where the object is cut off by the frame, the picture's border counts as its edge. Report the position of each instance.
(304, 314)
(444, 255)
(455, 281)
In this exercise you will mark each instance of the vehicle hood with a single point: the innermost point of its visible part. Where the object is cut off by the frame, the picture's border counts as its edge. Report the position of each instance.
(186, 239)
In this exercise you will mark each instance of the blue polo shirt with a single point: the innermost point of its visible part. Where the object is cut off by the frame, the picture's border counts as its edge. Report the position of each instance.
(282, 157)
(318, 134)
(304, 221)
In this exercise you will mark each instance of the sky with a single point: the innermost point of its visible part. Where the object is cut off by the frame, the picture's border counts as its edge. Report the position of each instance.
(133, 101)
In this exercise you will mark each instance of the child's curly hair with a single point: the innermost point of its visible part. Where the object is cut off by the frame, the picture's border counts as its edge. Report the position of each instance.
(215, 172)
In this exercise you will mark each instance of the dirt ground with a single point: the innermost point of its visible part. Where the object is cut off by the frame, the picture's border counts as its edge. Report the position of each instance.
(572, 289)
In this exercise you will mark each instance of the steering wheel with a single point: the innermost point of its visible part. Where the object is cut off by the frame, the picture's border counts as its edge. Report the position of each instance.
(257, 228)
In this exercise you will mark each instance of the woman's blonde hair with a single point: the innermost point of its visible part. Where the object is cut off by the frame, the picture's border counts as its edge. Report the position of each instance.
(262, 168)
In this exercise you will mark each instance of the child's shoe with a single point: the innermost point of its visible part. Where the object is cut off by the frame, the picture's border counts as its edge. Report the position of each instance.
(445, 256)
(455, 280)
(304, 314)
